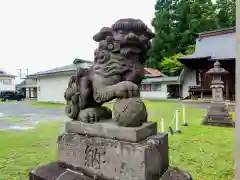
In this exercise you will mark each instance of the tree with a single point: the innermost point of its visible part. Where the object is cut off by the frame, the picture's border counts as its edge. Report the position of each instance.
(191, 18)
(171, 66)
(177, 24)
(164, 37)
(226, 13)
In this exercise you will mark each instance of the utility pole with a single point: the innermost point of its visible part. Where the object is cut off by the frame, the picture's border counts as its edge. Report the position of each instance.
(21, 74)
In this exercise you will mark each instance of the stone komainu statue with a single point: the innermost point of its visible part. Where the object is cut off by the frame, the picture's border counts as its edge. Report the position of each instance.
(117, 71)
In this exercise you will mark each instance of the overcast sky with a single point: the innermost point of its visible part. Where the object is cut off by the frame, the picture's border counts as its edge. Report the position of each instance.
(44, 34)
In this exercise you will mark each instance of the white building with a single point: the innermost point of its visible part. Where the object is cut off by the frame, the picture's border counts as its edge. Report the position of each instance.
(51, 84)
(160, 87)
(28, 87)
(7, 81)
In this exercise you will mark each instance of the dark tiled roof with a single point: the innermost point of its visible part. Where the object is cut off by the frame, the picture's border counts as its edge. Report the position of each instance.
(4, 74)
(217, 47)
(67, 68)
(63, 69)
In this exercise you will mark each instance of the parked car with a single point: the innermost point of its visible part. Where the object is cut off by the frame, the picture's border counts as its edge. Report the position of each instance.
(11, 95)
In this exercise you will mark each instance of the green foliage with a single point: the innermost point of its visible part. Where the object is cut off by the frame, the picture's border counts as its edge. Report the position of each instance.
(226, 13)
(171, 66)
(177, 24)
(190, 49)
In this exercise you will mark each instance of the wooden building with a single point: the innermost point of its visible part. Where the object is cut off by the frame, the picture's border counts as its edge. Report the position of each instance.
(211, 46)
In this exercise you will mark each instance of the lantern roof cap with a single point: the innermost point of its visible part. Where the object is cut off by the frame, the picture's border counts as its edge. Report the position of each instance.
(217, 69)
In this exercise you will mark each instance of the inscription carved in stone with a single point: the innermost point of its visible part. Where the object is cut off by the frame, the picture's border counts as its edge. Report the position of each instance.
(93, 157)
(71, 149)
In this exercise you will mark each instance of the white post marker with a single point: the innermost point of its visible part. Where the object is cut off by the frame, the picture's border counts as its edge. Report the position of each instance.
(162, 125)
(177, 130)
(184, 115)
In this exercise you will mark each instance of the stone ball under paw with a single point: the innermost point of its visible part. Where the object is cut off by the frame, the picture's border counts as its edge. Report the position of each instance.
(130, 112)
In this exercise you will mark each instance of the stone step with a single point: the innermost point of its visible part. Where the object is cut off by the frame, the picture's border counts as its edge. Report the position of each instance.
(227, 123)
(54, 171)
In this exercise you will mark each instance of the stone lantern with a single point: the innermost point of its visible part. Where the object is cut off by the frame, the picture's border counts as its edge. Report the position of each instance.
(217, 113)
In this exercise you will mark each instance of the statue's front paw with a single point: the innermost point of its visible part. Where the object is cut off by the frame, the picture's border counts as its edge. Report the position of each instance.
(126, 89)
(89, 115)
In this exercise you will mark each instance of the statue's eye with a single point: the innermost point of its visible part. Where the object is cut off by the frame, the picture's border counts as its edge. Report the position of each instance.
(110, 46)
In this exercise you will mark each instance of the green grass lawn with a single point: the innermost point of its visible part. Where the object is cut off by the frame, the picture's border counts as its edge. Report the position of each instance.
(8, 100)
(47, 104)
(23, 150)
(205, 151)
(12, 120)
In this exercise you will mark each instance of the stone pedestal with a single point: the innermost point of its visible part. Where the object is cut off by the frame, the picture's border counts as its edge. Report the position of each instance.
(110, 159)
(85, 152)
(111, 130)
(218, 115)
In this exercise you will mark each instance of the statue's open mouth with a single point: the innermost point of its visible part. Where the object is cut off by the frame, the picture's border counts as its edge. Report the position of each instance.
(133, 42)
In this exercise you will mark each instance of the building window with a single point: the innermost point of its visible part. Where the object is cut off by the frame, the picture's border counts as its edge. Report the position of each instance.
(151, 87)
(154, 87)
(7, 81)
(159, 87)
(146, 87)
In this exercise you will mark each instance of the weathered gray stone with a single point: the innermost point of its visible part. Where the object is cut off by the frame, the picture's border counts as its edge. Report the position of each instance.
(176, 174)
(116, 73)
(110, 129)
(108, 158)
(54, 171)
(130, 112)
(218, 115)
